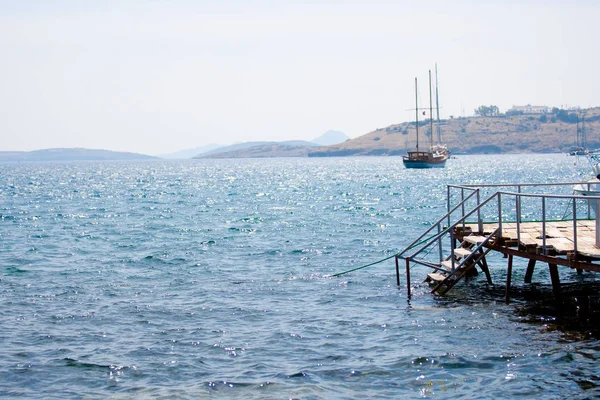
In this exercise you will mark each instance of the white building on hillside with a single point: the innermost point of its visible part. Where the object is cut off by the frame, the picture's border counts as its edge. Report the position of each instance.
(529, 109)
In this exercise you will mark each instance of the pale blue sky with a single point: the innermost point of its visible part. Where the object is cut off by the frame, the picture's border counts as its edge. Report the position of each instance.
(158, 76)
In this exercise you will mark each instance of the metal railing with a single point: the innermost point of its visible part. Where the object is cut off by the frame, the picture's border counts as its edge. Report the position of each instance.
(507, 208)
(539, 203)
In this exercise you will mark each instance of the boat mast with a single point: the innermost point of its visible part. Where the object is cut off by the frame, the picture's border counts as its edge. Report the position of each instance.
(417, 113)
(583, 133)
(430, 115)
(437, 107)
(578, 135)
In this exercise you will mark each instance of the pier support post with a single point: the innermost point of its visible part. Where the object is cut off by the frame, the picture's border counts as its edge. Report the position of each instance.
(597, 210)
(484, 267)
(555, 280)
(529, 272)
(408, 276)
(509, 277)
(397, 272)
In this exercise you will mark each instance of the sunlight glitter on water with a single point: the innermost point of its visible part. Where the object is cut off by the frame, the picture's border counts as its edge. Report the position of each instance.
(180, 279)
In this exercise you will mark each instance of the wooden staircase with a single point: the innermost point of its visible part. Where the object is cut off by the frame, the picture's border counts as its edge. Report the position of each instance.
(462, 262)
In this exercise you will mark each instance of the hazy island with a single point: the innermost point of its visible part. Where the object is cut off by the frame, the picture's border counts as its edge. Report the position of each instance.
(70, 154)
(289, 148)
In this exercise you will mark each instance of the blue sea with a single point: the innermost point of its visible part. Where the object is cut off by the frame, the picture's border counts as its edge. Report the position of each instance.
(211, 279)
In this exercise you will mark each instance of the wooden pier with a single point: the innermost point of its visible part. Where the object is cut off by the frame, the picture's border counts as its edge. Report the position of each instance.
(568, 243)
(560, 237)
(528, 243)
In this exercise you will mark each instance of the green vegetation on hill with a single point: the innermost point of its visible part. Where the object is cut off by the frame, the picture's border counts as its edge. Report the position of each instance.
(527, 133)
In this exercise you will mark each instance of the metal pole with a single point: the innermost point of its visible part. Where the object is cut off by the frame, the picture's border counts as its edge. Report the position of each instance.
(479, 221)
(518, 205)
(589, 204)
(575, 229)
(544, 224)
(597, 223)
(448, 202)
(408, 276)
(462, 199)
(500, 213)
(397, 272)
(452, 247)
(440, 243)
(509, 277)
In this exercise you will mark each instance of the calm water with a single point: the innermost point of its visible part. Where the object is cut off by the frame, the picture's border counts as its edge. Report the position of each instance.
(208, 279)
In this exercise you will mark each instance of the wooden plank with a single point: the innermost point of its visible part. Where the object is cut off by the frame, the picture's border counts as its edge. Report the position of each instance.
(528, 229)
(509, 234)
(435, 277)
(559, 237)
(448, 264)
(561, 245)
(474, 239)
(553, 232)
(561, 225)
(527, 240)
(589, 251)
(586, 240)
(462, 252)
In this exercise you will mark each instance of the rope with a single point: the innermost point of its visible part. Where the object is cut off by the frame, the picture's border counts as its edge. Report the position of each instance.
(380, 261)
(364, 266)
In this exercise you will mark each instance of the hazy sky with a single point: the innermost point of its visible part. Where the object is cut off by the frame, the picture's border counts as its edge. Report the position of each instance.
(158, 76)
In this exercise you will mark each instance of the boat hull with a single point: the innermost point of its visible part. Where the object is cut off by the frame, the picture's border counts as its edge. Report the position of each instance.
(423, 164)
(592, 188)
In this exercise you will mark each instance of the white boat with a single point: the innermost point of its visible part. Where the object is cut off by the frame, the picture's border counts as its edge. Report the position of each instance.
(592, 186)
(589, 188)
(579, 151)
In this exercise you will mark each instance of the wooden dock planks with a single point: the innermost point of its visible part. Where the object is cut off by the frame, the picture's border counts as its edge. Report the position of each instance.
(559, 236)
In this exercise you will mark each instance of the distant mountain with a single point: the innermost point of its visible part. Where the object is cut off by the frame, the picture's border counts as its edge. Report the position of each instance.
(331, 137)
(72, 154)
(190, 153)
(230, 148)
(299, 143)
(239, 149)
(267, 150)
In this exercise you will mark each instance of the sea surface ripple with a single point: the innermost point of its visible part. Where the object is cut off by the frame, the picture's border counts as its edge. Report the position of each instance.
(210, 279)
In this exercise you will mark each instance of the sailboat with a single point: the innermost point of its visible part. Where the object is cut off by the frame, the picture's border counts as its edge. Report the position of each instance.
(435, 156)
(580, 146)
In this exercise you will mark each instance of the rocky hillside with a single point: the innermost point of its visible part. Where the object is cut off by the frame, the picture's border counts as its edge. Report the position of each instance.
(549, 133)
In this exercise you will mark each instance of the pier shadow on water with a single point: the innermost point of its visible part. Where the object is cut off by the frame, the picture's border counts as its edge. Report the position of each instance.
(575, 312)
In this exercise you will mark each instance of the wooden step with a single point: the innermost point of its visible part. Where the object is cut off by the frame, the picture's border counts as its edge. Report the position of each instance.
(447, 265)
(435, 277)
(462, 252)
(474, 239)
